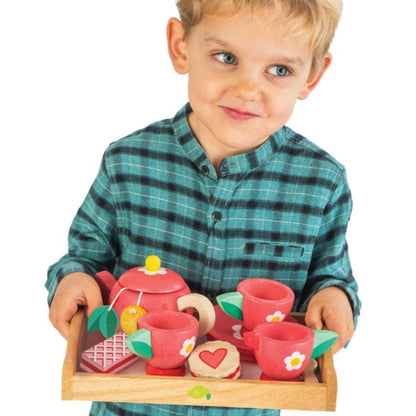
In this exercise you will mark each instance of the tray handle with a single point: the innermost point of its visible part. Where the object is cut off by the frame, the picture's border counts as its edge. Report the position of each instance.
(78, 321)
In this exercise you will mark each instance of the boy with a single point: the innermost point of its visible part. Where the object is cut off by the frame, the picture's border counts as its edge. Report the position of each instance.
(224, 191)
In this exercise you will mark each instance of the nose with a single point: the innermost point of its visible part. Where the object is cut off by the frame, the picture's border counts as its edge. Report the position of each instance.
(246, 87)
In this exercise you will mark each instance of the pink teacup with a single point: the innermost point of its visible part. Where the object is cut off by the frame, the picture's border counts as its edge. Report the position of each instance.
(165, 339)
(258, 301)
(282, 349)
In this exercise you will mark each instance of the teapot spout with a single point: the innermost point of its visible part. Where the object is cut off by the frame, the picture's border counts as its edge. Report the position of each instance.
(105, 281)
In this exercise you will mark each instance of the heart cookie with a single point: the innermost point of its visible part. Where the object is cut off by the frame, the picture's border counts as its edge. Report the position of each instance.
(213, 359)
(217, 359)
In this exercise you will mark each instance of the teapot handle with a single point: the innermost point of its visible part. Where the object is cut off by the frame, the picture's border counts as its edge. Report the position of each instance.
(106, 282)
(204, 308)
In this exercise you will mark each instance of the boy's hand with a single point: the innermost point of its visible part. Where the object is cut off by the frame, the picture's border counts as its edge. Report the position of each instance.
(74, 290)
(331, 307)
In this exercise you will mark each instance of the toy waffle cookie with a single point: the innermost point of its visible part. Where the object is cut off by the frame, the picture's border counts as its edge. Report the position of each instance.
(216, 359)
(109, 356)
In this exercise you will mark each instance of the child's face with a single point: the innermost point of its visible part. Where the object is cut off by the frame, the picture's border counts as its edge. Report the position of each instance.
(244, 79)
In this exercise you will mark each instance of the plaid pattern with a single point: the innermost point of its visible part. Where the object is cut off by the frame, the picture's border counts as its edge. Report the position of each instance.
(279, 212)
(131, 409)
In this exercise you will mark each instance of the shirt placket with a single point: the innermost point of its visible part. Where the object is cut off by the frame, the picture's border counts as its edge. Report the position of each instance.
(217, 219)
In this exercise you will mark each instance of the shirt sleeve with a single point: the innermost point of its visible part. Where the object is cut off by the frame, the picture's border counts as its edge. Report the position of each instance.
(330, 265)
(93, 236)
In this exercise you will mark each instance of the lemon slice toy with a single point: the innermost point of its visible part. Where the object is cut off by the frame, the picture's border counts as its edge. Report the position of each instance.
(129, 318)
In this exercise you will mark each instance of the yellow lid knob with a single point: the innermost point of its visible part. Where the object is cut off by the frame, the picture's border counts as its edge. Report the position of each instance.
(153, 263)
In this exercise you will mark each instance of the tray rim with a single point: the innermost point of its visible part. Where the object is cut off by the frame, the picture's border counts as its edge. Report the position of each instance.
(79, 385)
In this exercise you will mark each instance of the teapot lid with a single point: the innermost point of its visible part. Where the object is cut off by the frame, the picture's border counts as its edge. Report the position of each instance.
(152, 278)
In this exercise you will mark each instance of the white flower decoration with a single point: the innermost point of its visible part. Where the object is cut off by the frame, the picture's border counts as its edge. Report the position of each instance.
(294, 361)
(145, 270)
(276, 317)
(187, 347)
(237, 331)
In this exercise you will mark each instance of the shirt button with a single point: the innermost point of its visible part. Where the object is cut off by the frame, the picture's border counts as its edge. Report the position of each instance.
(216, 216)
(205, 170)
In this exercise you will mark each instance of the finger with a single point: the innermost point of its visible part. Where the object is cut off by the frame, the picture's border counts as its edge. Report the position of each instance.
(313, 317)
(337, 346)
(63, 328)
(344, 339)
(340, 343)
(344, 331)
(93, 304)
(93, 299)
(62, 325)
(61, 312)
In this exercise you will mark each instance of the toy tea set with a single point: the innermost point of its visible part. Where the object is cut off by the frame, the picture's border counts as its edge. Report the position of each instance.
(149, 315)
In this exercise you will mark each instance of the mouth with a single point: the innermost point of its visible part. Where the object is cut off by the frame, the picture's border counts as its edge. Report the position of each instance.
(239, 115)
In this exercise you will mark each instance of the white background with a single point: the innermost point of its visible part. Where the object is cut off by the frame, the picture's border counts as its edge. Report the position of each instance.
(76, 75)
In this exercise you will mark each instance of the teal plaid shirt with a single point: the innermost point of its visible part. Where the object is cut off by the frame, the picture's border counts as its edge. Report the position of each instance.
(278, 212)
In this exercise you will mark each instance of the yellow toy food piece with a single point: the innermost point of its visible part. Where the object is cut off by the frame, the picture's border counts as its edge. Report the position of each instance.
(153, 263)
(129, 318)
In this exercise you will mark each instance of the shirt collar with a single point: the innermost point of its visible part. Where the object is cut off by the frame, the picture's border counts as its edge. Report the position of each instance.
(231, 165)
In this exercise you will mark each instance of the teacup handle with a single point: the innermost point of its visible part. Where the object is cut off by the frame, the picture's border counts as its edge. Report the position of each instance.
(204, 308)
(252, 340)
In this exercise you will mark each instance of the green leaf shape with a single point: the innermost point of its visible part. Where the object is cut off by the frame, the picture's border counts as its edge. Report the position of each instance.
(109, 323)
(324, 340)
(94, 319)
(140, 342)
(232, 304)
(199, 392)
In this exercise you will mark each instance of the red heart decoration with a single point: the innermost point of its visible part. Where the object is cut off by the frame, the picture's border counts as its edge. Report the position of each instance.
(213, 359)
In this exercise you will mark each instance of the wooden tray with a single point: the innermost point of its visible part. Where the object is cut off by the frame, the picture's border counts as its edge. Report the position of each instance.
(141, 388)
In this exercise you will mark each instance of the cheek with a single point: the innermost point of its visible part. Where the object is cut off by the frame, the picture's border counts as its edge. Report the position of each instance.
(203, 87)
(203, 92)
(281, 108)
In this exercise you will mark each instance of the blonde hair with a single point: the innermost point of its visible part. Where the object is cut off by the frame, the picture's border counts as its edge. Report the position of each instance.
(314, 21)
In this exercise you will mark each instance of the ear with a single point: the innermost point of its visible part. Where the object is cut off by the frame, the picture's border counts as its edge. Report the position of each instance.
(315, 77)
(177, 45)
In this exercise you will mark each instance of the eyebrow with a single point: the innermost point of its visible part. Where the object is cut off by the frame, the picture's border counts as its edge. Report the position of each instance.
(292, 60)
(213, 39)
(289, 60)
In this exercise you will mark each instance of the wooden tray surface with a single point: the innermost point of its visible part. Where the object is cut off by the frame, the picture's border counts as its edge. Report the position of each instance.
(132, 385)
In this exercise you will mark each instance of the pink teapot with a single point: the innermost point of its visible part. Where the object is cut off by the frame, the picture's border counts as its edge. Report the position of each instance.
(153, 288)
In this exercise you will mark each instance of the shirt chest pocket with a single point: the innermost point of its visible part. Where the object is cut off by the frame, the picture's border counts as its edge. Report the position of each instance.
(268, 250)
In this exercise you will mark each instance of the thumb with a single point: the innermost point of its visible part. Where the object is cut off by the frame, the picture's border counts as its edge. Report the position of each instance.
(313, 317)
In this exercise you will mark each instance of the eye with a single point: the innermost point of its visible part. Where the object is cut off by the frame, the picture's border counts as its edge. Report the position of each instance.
(279, 71)
(226, 58)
